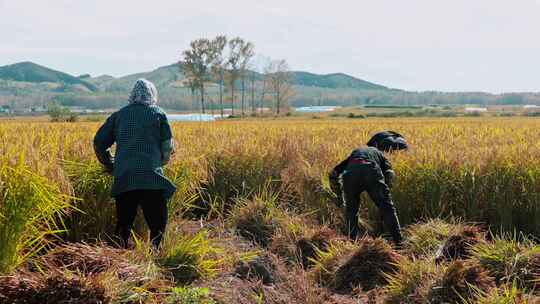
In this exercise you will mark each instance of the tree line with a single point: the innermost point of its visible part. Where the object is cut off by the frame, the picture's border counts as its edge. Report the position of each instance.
(176, 98)
(229, 64)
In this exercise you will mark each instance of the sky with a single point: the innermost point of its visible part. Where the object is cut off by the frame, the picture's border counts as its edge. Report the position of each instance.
(450, 45)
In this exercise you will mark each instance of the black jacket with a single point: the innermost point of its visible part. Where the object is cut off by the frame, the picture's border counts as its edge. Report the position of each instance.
(370, 154)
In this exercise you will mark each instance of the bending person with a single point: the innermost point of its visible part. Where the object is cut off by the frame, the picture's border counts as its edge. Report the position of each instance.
(366, 169)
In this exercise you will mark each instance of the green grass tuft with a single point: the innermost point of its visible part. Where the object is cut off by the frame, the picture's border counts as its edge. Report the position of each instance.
(506, 258)
(507, 294)
(257, 219)
(423, 239)
(189, 295)
(406, 284)
(189, 257)
(31, 211)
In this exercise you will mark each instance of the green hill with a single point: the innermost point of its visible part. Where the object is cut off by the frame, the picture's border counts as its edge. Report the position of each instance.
(334, 81)
(162, 77)
(35, 73)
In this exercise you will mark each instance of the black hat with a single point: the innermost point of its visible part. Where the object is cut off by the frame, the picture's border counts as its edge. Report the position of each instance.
(393, 143)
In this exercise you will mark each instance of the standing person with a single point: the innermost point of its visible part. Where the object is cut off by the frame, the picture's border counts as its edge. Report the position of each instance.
(366, 169)
(144, 145)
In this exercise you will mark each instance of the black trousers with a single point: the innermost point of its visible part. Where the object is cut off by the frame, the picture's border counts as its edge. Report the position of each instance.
(154, 207)
(368, 177)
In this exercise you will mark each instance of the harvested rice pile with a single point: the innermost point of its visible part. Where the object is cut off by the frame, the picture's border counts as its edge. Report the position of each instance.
(301, 248)
(51, 289)
(264, 268)
(85, 259)
(319, 240)
(458, 245)
(533, 268)
(256, 221)
(366, 267)
(460, 281)
(294, 288)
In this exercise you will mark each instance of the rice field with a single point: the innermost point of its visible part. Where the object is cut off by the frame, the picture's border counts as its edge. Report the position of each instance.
(253, 220)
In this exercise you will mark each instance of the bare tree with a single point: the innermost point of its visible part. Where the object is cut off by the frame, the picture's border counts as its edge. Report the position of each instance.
(212, 104)
(252, 88)
(280, 82)
(197, 62)
(233, 65)
(219, 66)
(262, 65)
(264, 91)
(193, 87)
(246, 53)
(240, 53)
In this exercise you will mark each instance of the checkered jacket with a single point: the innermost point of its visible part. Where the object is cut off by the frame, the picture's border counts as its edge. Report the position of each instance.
(143, 140)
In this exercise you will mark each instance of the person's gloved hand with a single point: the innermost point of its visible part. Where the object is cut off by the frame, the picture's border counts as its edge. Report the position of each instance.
(333, 178)
(335, 186)
(109, 169)
(339, 201)
(389, 177)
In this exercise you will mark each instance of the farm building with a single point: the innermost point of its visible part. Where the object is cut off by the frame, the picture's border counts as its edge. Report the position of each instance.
(475, 110)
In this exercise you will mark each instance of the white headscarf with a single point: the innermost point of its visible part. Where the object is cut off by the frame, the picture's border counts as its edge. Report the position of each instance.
(144, 92)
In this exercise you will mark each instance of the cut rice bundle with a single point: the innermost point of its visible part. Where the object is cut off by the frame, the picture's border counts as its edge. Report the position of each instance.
(366, 267)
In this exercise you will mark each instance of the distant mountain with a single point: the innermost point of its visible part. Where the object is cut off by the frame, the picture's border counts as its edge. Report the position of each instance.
(32, 84)
(35, 73)
(334, 81)
(162, 77)
(27, 85)
(170, 75)
(101, 82)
